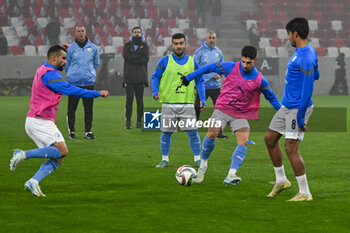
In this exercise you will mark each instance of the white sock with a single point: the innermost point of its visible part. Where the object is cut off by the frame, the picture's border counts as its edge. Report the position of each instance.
(197, 157)
(165, 157)
(280, 174)
(232, 172)
(303, 185)
(204, 163)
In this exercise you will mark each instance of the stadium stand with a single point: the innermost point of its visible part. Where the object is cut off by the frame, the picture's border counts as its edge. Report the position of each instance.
(108, 23)
(328, 21)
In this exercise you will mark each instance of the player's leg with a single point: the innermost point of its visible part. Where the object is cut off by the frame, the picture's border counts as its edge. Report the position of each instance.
(43, 133)
(195, 144)
(187, 122)
(88, 114)
(46, 169)
(51, 142)
(214, 94)
(129, 89)
(197, 106)
(165, 144)
(139, 88)
(241, 129)
(209, 143)
(276, 129)
(293, 138)
(207, 148)
(298, 165)
(72, 107)
(167, 128)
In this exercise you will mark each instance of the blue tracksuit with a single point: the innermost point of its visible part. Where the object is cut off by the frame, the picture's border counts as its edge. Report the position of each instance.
(82, 64)
(302, 71)
(206, 55)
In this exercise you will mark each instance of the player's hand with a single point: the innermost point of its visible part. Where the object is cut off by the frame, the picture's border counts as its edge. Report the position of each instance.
(156, 97)
(201, 105)
(104, 93)
(65, 46)
(184, 81)
(217, 76)
(304, 129)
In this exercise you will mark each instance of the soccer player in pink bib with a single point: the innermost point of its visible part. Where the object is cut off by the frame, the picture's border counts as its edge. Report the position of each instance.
(238, 101)
(47, 90)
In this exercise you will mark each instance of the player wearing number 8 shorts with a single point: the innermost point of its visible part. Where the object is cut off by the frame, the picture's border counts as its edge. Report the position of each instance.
(291, 119)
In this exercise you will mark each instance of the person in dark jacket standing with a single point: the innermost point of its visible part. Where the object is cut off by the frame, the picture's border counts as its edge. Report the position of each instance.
(3, 44)
(136, 56)
(340, 87)
(82, 62)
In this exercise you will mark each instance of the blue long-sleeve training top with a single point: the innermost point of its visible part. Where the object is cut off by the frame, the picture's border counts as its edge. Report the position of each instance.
(162, 64)
(225, 68)
(55, 82)
(302, 71)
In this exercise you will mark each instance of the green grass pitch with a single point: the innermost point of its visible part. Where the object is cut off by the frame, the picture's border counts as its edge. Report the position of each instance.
(112, 185)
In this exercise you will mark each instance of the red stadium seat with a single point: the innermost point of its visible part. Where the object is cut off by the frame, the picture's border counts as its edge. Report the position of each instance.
(321, 52)
(263, 25)
(16, 50)
(316, 15)
(338, 42)
(276, 42)
(337, 8)
(164, 32)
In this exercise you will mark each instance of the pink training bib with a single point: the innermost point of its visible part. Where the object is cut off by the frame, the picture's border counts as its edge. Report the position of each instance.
(239, 97)
(43, 102)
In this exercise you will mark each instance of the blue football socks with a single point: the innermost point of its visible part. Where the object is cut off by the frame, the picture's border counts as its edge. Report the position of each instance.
(46, 168)
(238, 156)
(195, 142)
(165, 143)
(208, 147)
(46, 152)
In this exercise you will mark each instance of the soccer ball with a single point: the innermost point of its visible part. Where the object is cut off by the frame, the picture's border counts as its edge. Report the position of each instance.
(185, 174)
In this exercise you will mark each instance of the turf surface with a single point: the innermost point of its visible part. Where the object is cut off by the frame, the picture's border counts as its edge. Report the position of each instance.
(112, 185)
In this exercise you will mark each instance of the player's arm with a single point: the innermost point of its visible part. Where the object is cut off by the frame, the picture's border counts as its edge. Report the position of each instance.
(309, 73)
(222, 68)
(55, 82)
(157, 75)
(221, 59)
(265, 88)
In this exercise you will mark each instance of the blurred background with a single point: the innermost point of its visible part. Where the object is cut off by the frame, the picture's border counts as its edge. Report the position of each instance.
(29, 27)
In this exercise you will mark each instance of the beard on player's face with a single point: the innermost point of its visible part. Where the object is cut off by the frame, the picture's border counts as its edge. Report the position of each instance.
(179, 52)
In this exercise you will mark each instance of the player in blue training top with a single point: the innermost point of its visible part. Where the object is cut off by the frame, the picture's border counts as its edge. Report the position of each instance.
(297, 105)
(177, 100)
(47, 90)
(238, 101)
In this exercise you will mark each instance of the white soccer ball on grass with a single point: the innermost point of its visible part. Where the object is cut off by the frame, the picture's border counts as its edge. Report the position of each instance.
(185, 174)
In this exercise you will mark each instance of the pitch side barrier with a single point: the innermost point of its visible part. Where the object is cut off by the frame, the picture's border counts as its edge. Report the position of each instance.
(17, 71)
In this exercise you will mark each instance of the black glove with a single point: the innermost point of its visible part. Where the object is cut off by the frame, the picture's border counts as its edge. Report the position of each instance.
(184, 81)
